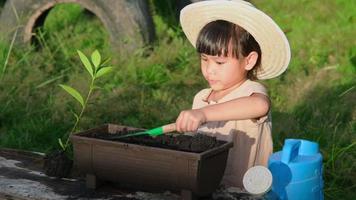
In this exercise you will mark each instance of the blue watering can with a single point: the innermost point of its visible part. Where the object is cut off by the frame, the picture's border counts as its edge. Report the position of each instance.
(297, 171)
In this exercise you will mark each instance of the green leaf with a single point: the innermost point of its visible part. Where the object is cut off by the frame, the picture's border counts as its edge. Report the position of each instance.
(75, 115)
(96, 58)
(74, 93)
(105, 61)
(49, 81)
(86, 63)
(97, 88)
(103, 71)
(61, 143)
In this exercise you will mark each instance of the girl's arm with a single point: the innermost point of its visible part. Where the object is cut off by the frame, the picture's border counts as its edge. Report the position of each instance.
(251, 107)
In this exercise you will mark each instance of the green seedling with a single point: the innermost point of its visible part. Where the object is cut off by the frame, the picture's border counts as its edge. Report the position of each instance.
(96, 68)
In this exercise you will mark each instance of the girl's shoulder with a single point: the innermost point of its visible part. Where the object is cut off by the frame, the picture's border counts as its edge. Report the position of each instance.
(247, 89)
(255, 86)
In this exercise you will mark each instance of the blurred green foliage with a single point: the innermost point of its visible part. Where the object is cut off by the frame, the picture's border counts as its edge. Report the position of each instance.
(314, 99)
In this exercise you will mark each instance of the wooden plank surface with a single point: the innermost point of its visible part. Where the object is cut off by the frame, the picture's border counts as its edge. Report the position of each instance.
(22, 178)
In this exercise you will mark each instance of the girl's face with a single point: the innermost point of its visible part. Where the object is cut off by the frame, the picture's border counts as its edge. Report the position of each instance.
(223, 73)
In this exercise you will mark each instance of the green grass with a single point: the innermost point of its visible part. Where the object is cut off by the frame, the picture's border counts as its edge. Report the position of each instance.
(314, 99)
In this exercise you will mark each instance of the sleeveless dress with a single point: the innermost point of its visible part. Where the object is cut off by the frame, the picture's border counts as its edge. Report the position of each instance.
(252, 138)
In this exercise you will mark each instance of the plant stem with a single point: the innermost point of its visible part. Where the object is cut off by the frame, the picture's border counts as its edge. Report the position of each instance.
(81, 112)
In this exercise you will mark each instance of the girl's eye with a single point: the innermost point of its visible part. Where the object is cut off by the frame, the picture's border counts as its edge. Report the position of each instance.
(220, 63)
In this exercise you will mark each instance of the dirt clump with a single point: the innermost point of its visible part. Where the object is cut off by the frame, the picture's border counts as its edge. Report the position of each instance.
(57, 164)
(196, 143)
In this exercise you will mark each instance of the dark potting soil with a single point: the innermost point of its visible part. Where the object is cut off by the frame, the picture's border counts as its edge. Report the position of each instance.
(57, 164)
(197, 143)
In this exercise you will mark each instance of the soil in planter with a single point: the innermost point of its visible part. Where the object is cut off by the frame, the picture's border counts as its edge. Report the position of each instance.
(197, 143)
(57, 164)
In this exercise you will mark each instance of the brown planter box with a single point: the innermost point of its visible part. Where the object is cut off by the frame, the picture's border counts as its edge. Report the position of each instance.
(148, 167)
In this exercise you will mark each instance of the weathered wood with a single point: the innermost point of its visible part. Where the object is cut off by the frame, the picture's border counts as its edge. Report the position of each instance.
(129, 23)
(22, 178)
(92, 181)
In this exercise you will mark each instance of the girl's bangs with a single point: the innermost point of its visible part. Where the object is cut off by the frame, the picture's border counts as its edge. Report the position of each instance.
(214, 39)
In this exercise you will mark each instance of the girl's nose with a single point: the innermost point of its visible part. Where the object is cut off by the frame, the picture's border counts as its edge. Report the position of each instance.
(210, 68)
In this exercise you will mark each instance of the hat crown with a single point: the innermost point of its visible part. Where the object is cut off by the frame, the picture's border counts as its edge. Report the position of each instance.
(244, 2)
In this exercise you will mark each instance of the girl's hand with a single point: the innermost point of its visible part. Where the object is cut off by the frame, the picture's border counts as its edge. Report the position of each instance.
(190, 120)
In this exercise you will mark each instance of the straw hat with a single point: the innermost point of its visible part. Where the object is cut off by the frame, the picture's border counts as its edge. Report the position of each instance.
(273, 43)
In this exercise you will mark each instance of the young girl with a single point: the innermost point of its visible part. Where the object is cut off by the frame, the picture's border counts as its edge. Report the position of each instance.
(238, 44)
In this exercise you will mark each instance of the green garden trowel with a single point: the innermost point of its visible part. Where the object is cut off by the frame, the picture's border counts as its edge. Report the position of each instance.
(152, 132)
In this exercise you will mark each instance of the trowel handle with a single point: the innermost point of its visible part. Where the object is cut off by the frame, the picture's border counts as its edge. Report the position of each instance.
(169, 128)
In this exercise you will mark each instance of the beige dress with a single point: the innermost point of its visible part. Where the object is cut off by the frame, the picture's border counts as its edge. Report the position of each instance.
(252, 138)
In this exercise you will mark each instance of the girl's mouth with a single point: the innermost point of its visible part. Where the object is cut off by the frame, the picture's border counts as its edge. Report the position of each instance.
(212, 82)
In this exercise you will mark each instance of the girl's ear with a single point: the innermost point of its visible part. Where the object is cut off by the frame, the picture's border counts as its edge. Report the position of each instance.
(251, 60)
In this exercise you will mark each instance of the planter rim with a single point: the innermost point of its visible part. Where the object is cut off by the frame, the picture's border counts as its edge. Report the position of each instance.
(79, 137)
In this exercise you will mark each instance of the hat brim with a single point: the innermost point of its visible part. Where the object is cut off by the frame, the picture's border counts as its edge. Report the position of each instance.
(273, 42)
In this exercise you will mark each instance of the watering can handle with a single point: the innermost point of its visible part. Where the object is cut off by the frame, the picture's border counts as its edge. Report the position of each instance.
(169, 128)
(290, 150)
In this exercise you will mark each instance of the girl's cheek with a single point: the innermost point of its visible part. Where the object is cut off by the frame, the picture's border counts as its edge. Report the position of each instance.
(203, 72)
(203, 68)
